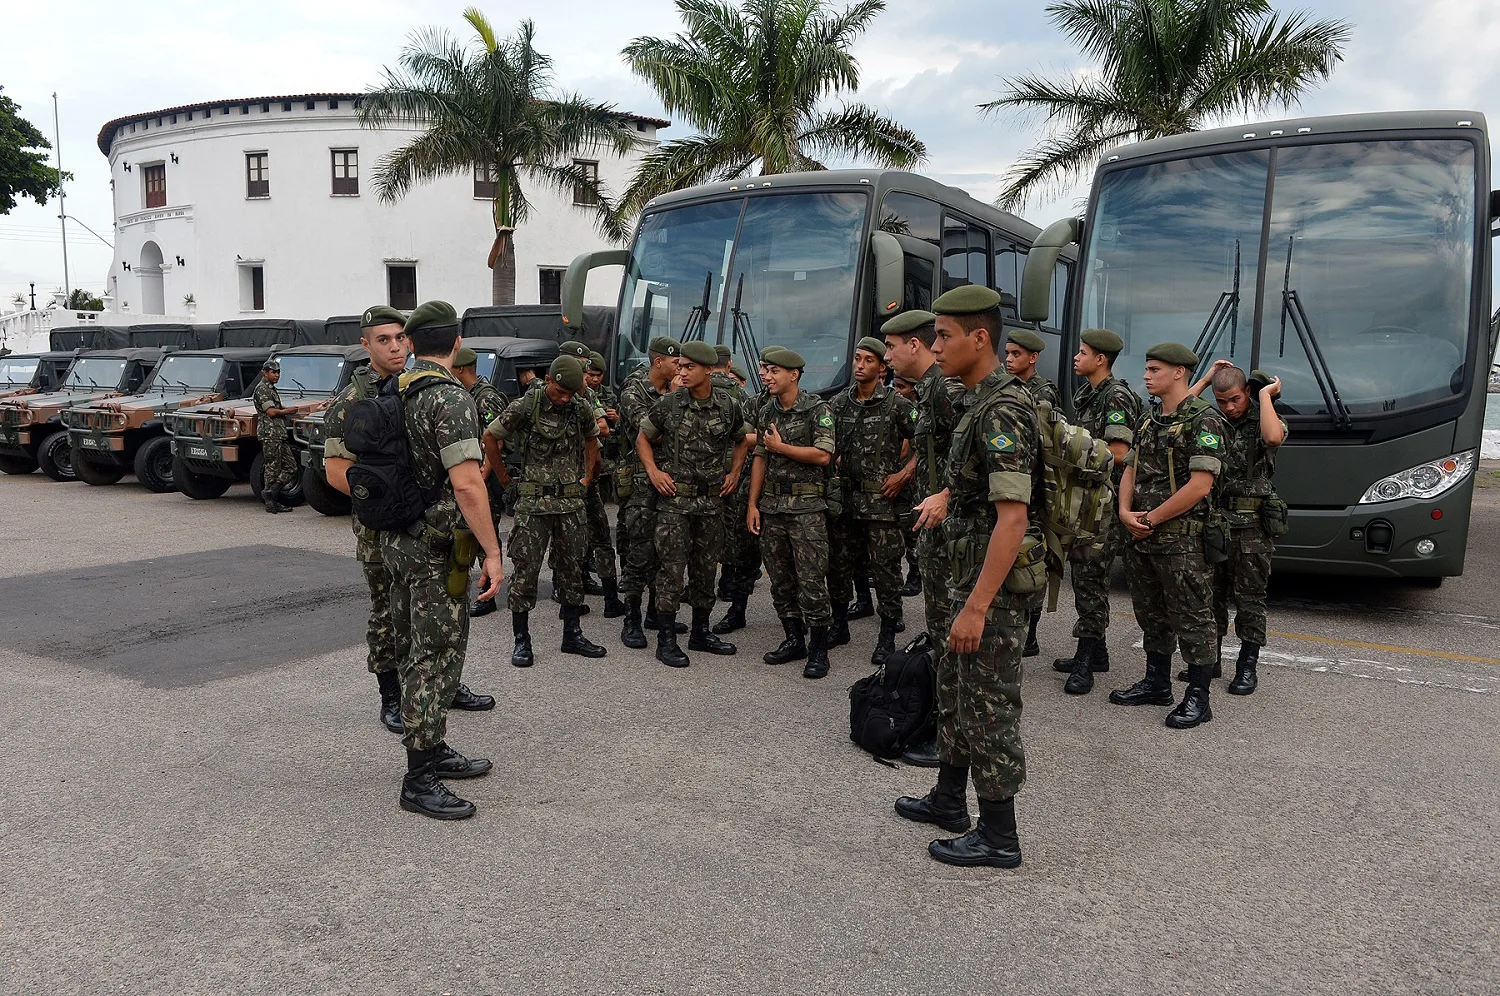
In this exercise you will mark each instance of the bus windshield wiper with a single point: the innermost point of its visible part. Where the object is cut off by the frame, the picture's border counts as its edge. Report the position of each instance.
(1291, 308)
(1225, 313)
(697, 320)
(742, 333)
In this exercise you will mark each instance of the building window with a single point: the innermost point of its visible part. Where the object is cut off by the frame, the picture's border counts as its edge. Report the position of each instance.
(584, 194)
(156, 185)
(258, 174)
(401, 280)
(550, 286)
(346, 172)
(252, 287)
(485, 184)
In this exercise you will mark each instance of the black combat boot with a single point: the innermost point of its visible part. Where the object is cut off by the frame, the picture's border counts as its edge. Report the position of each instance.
(922, 755)
(1094, 648)
(838, 633)
(817, 653)
(281, 506)
(886, 642)
(703, 639)
(631, 634)
(1081, 675)
(421, 792)
(522, 655)
(993, 843)
(1194, 709)
(268, 498)
(390, 700)
(613, 607)
(667, 650)
(1032, 648)
(573, 641)
(650, 617)
(1154, 689)
(481, 607)
(725, 590)
(862, 607)
(946, 805)
(1245, 682)
(451, 764)
(467, 701)
(913, 586)
(734, 616)
(793, 648)
(591, 584)
(1218, 668)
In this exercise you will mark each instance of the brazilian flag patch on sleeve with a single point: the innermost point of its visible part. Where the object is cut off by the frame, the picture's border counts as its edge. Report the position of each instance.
(825, 420)
(1208, 440)
(1115, 418)
(1001, 443)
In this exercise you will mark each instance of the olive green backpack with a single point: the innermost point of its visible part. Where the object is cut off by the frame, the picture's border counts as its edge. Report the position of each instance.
(1078, 494)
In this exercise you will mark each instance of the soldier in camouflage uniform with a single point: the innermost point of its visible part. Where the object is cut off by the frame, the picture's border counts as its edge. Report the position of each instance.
(686, 442)
(1254, 433)
(993, 473)
(874, 425)
(280, 467)
(554, 430)
(1109, 410)
(489, 403)
(430, 614)
(739, 561)
(788, 509)
(906, 501)
(1023, 348)
(601, 545)
(1167, 504)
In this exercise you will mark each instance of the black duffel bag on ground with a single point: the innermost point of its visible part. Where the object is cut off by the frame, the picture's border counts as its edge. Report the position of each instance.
(896, 706)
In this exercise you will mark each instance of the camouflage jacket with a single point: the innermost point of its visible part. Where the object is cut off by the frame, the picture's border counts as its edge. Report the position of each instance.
(694, 440)
(609, 446)
(1109, 412)
(868, 438)
(937, 414)
(490, 404)
(1249, 466)
(551, 440)
(267, 429)
(442, 431)
(362, 384)
(637, 399)
(793, 487)
(1168, 448)
(1041, 389)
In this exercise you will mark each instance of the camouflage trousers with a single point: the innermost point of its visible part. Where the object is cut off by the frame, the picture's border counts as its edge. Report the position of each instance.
(795, 548)
(567, 534)
(1173, 597)
(979, 707)
(932, 556)
(878, 547)
(380, 638)
(431, 632)
(686, 544)
(478, 567)
(741, 551)
(601, 545)
(637, 536)
(906, 503)
(280, 465)
(1091, 586)
(1243, 579)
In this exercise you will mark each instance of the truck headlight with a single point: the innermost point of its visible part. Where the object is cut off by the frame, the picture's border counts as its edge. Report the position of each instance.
(1425, 480)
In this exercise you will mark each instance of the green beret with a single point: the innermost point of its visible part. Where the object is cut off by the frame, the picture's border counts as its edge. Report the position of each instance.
(572, 347)
(723, 352)
(596, 360)
(430, 314)
(970, 299)
(381, 314)
(701, 353)
(908, 322)
(782, 357)
(1174, 353)
(1257, 380)
(1103, 340)
(271, 364)
(1027, 339)
(566, 371)
(763, 352)
(738, 371)
(664, 345)
(465, 357)
(870, 344)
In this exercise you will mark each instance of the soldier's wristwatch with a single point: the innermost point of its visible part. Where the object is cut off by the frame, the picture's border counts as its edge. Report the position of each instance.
(1146, 520)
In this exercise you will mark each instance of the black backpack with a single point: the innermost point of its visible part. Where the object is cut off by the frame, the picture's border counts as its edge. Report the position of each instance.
(896, 706)
(383, 490)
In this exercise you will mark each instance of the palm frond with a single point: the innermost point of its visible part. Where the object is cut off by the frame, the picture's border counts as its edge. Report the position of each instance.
(683, 162)
(482, 28)
(1053, 162)
(859, 132)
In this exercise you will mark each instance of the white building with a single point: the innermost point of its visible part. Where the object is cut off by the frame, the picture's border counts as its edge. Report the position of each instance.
(266, 205)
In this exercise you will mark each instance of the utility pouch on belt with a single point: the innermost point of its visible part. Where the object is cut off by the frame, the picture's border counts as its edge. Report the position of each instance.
(624, 485)
(1273, 516)
(465, 551)
(833, 494)
(1029, 573)
(1216, 538)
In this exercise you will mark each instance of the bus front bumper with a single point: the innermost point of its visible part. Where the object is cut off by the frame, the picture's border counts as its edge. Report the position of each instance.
(1380, 540)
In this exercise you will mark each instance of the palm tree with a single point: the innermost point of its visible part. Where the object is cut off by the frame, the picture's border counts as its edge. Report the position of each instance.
(752, 80)
(490, 107)
(1162, 67)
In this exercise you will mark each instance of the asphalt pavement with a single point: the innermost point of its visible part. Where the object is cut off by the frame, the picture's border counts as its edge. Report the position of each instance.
(198, 797)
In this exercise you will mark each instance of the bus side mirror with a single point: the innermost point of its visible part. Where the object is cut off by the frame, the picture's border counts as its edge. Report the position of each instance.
(1494, 212)
(890, 274)
(577, 276)
(1036, 279)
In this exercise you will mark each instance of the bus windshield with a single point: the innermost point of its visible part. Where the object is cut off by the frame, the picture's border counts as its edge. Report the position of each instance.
(183, 374)
(17, 371)
(310, 373)
(96, 373)
(1368, 269)
(750, 272)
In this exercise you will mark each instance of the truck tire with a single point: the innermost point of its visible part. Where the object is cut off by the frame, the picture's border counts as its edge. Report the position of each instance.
(97, 474)
(200, 487)
(322, 496)
(291, 496)
(18, 465)
(55, 457)
(153, 465)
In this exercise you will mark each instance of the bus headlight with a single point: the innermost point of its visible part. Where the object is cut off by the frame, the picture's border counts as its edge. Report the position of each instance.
(1426, 480)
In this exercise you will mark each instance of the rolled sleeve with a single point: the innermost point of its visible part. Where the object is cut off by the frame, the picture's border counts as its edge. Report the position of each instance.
(457, 452)
(649, 429)
(1118, 434)
(1200, 462)
(1010, 485)
(334, 447)
(498, 430)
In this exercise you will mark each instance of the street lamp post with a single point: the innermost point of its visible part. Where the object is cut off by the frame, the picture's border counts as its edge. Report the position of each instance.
(62, 200)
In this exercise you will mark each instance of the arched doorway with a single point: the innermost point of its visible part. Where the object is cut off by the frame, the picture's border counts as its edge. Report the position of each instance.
(153, 293)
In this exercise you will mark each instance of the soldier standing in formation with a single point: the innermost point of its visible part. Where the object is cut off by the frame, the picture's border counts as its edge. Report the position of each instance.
(697, 431)
(993, 472)
(1166, 503)
(601, 545)
(873, 427)
(430, 617)
(280, 466)
(488, 403)
(1254, 433)
(1022, 350)
(1109, 410)
(788, 507)
(554, 430)
(637, 523)
(906, 501)
(741, 560)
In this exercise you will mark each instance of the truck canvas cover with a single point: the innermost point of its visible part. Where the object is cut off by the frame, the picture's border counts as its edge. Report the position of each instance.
(87, 337)
(182, 336)
(265, 332)
(340, 330)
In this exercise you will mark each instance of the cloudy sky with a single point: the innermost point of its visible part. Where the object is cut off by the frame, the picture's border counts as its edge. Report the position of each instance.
(925, 62)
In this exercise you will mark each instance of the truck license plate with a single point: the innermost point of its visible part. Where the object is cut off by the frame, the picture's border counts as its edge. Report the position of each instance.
(92, 442)
(198, 451)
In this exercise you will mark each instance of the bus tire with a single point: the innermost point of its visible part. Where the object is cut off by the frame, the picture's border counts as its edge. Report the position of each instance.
(200, 487)
(322, 496)
(55, 457)
(153, 465)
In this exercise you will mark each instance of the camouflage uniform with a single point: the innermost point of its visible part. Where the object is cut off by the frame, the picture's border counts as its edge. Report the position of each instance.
(1041, 389)
(550, 493)
(793, 524)
(1109, 412)
(490, 404)
(1171, 585)
(432, 626)
(741, 550)
(380, 637)
(694, 441)
(993, 458)
(937, 400)
(275, 451)
(637, 525)
(868, 439)
(1249, 467)
(601, 544)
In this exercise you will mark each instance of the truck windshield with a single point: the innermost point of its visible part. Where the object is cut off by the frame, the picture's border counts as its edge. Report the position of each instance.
(485, 365)
(183, 374)
(310, 374)
(97, 373)
(795, 261)
(17, 371)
